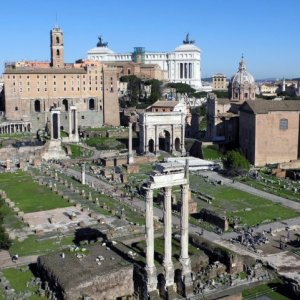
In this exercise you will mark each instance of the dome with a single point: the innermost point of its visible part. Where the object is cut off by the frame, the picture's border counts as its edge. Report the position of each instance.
(187, 47)
(242, 76)
(100, 50)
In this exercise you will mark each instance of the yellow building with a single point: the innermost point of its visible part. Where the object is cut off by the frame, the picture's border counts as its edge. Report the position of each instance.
(32, 89)
(219, 82)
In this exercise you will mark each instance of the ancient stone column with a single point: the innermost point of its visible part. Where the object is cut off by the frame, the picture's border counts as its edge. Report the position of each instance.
(168, 264)
(76, 135)
(70, 124)
(130, 155)
(55, 124)
(83, 173)
(150, 266)
(184, 228)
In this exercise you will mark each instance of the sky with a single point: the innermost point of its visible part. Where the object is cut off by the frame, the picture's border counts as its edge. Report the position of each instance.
(266, 32)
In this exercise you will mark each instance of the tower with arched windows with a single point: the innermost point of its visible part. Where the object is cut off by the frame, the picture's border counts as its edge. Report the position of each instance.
(57, 47)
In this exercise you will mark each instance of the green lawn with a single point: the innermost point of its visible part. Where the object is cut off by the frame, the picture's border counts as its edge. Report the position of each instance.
(104, 143)
(28, 195)
(34, 245)
(78, 151)
(211, 152)
(20, 279)
(233, 202)
(274, 290)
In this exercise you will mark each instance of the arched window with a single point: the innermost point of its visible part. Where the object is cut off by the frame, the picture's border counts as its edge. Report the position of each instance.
(65, 104)
(37, 106)
(57, 52)
(91, 104)
(57, 40)
(283, 124)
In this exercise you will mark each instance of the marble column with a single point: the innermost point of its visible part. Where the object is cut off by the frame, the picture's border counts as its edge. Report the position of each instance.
(156, 141)
(83, 173)
(57, 125)
(168, 263)
(150, 266)
(184, 228)
(76, 135)
(130, 155)
(70, 124)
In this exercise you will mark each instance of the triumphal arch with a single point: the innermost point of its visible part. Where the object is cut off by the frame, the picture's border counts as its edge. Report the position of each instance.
(162, 131)
(165, 177)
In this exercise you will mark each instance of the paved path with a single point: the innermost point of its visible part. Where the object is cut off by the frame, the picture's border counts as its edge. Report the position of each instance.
(22, 261)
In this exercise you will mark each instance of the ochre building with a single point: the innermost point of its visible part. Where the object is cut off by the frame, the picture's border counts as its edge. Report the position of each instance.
(32, 89)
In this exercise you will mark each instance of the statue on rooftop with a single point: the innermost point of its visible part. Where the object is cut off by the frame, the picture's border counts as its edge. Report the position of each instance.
(187, 40)
(101, 43)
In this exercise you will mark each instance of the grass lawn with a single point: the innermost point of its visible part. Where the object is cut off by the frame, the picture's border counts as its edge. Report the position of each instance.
(234, 202)
(104, 143)
(28, 195)
(77, 151)
(274, 290)
(211, 152)
(34, 245)
(19, 278)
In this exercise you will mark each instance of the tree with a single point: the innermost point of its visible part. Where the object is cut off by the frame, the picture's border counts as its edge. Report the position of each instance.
(182, 88)
(133, 88)
(155, 90)
(235, 163)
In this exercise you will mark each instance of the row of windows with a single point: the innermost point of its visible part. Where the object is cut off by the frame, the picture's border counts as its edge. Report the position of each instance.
(65, 89)
(45, 76)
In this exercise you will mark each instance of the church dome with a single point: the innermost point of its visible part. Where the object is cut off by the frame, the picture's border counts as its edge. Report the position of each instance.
(242, 76)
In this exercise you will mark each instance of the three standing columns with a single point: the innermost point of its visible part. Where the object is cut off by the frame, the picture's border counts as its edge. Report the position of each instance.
(167, 262)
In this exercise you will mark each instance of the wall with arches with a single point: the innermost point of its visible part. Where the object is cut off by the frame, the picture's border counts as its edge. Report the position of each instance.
(162, 132)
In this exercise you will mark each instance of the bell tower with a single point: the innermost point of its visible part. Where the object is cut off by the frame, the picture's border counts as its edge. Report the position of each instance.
(57, 47)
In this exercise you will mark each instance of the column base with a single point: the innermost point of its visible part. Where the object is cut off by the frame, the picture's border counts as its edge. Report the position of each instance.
(151, 279)
(154, 295)
(169, 274)
(186, 265)
(188, 285)
(130, 159)
(171, 294)
(186, 276)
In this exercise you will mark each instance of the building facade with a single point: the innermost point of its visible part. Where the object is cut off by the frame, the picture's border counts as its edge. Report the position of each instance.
(269, 131)
(32, 89)
(219, 82)
(182, 65)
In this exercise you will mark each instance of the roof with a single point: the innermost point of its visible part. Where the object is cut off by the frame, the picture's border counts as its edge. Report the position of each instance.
(71, 271)
(160, 103)
(45, 71)
(265, 106)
